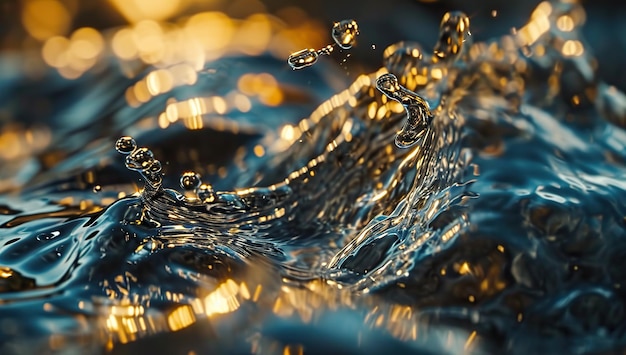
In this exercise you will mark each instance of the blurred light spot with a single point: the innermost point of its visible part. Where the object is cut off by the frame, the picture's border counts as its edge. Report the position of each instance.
(87, 43)
(565, 23)
(181, 318)
(287, 132)
(54, 51)
(137, 10)
(572, 48)
(223, 299)
(148, 37)
(242, 103)
(159, 81)
(262, 85)
(219, 105)
(253, 35)
(123, 44)
(43, 19)
(259, 151)
(212, 30)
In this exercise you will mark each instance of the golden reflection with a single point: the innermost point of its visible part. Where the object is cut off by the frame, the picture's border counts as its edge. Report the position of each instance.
(5, 272)
(181, 318)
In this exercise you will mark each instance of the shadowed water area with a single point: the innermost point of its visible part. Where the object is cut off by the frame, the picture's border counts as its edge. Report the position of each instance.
(462, 199)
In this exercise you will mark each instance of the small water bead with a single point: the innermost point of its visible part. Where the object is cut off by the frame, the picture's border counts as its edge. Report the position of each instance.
(417, 109)
(156, 167)
(125, 145)
(190, 180)
(140, 159)
(302, 59)
(206, 193)
(344, 33)
(454, 31)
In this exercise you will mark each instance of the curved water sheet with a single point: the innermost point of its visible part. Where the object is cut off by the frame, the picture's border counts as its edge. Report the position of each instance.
(468, 200)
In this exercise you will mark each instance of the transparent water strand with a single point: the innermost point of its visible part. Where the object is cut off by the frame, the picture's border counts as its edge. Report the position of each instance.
(417, 110)
(344, 35)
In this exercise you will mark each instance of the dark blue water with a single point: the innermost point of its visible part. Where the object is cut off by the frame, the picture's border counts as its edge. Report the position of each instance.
(501, 228)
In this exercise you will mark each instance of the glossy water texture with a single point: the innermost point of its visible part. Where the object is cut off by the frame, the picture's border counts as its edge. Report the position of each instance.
(468, 198)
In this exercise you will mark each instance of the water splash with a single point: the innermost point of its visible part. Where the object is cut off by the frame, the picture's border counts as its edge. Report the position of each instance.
(492, 228)
(344, 34)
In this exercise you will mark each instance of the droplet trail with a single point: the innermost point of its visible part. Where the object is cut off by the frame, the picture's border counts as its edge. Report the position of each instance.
(344, 34)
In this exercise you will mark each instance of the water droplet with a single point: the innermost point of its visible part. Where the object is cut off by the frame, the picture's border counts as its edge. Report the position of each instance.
(140, 159)
(373, 46)
(302, 59)
(344, 33)
(97, 188)
(206, 193)
(326, 50)
(155, 167)
(417, 110)
(190, 180)
(125, 145)
(454, 31)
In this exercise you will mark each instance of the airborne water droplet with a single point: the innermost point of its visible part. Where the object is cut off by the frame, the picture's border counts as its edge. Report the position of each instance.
(125, 145)
(140, 159)
(302, 59)
(344, 33)
(206, 193)
(190, 181)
